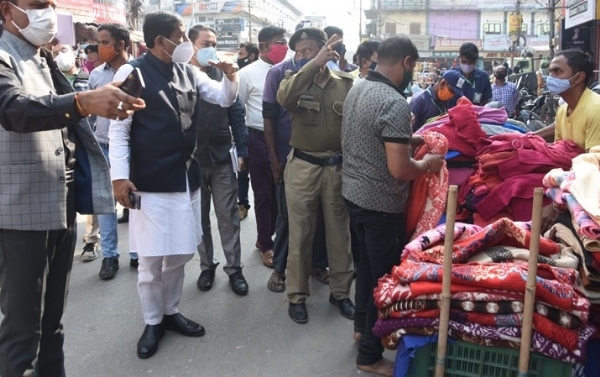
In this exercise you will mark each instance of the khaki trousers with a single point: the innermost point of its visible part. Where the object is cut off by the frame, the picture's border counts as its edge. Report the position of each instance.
(307, 185)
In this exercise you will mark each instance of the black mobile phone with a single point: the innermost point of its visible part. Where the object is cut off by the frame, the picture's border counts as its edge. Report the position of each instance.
(133, 84)
(135, 199)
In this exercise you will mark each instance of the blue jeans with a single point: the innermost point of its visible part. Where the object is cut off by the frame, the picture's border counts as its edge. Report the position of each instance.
(381, 238)
(107, 222)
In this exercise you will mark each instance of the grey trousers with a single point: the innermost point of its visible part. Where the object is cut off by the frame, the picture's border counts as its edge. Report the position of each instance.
(220, 184)
(34, 276)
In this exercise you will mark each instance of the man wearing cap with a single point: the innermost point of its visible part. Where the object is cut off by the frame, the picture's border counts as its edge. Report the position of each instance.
(435, 100)
(314, 97)
(477, 87)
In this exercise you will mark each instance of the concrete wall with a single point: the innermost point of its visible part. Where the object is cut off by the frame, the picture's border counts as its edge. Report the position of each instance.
(462, 24)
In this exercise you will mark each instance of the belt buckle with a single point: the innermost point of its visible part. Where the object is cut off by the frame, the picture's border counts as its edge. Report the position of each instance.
(331, 161)
(69, 176)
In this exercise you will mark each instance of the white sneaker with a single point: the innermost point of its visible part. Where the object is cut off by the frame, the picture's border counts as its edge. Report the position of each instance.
(89, 252)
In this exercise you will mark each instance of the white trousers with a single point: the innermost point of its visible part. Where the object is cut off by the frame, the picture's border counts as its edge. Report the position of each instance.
(160, 283)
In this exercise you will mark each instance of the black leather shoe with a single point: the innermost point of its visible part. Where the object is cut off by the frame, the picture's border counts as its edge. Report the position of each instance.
(345, 306)
(238, 283)
(125, 217)
(298, 313)
(148, 343)
(109, 268)
(206, 279)
(184, 326)
(134, 263)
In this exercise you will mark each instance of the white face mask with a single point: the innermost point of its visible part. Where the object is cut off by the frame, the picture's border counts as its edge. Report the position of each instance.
(42, 25)
(65, 61)
(467, 68)
(183, 52)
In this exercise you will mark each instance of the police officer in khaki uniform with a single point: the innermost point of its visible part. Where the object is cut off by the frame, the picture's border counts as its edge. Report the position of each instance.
(314, 97)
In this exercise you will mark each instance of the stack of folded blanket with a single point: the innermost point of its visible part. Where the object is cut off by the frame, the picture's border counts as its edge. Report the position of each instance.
(489, 274)
(509, 167)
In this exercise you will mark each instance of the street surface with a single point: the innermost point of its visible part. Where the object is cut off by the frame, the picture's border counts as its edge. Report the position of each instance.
(245, 336)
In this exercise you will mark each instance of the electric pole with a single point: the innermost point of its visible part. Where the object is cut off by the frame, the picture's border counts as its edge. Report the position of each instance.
(517, 26)
(360, 28)
(250, 21)
(552, 24)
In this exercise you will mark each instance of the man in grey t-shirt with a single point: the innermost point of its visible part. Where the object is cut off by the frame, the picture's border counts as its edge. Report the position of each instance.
(376, 143)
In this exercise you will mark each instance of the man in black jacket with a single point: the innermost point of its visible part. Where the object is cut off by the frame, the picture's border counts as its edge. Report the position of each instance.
(218, 179)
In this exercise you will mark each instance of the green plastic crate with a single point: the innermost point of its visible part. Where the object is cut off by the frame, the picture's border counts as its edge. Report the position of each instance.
(465, 359)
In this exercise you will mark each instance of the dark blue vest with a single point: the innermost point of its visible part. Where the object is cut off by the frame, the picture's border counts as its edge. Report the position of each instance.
(163, 136)
(214, 135)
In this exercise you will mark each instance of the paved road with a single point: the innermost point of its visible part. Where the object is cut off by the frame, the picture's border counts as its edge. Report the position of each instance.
(245, 336)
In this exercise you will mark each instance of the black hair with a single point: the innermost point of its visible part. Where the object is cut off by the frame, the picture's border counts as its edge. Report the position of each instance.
(516, 69)
(579, 61)
(395, 49)
(194, 32)
(160, 23)
(469, 51)
(331, 30)
(266, 33)
(91, 49)
(118, 32)
(251, 48)
(366, 49)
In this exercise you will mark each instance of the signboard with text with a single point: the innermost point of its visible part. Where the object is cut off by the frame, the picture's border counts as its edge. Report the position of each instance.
(228, 42)
(113, 11)
(449, 44)
(228, 25)
(578, 37)
(578, 12)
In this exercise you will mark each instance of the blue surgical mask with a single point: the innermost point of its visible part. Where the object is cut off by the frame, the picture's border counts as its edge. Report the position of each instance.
(557, 86)
(205, 54)
(301, 63)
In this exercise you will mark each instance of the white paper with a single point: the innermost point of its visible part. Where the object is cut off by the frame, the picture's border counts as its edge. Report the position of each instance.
(234, 159)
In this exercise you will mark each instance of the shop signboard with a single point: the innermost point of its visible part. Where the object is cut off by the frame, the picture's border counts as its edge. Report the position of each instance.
(445, 54)
(228, 42)
(422, 44)
(234, 6)
(578, 12)
(578, 37)
(502, 43)
(450, 44)
(228, 25)
(113, 11)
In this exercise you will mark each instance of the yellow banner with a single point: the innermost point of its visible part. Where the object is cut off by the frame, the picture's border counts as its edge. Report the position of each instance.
(514, 23)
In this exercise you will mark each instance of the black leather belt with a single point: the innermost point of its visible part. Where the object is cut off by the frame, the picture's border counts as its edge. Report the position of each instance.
(255, 131)
(320, 161)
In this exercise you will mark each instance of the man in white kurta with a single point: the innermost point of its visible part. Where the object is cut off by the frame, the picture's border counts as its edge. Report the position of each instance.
(152, 154)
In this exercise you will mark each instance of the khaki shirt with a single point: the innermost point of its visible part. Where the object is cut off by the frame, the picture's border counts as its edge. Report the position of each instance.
(316, 111)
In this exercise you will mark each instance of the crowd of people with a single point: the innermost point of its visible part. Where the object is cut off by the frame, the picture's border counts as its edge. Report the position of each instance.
(327, 146)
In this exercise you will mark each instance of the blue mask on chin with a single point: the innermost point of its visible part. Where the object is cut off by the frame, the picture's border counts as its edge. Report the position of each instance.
(301, 63)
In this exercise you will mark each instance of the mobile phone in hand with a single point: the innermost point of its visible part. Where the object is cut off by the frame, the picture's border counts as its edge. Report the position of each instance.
(133, 84)
(135, 199)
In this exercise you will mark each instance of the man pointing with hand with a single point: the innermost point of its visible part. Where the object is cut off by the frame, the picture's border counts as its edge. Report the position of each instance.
(50, 167)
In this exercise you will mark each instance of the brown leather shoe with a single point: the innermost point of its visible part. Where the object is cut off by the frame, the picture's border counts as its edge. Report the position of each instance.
(267, 258)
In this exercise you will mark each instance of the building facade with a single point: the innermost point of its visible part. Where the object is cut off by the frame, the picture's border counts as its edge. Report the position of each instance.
(440, 27)
(239, 20)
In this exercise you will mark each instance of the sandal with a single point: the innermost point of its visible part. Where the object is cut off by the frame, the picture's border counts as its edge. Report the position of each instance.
(276, 282)
(321, 274)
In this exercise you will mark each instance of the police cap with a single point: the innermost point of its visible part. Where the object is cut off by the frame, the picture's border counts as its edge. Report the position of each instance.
(307, 33)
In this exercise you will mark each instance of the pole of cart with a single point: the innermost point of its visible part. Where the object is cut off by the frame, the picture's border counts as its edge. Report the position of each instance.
(440, 361)
(534, 246)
